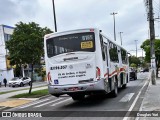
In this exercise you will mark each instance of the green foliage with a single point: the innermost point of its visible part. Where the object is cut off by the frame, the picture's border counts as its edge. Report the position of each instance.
(26, 44)
(146, 47)
(134, 60)
(40, 71)
(34, 94)
(133, 65)
(144, 65)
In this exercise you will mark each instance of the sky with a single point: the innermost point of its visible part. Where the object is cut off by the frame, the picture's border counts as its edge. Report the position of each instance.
(131, 17)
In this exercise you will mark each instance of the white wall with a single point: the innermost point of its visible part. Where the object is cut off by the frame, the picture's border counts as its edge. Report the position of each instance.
(4, 73)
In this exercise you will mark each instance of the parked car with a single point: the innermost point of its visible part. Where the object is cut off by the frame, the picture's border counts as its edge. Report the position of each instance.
(16, 81)
(133, 74)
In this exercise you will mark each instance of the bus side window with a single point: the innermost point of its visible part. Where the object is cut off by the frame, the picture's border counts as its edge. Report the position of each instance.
(113, 52)
(102, 47)
(106, 54)
(50, 49)
(124, 56)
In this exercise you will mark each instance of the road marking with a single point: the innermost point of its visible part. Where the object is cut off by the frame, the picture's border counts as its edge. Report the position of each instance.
(127, 97)
(33, 103)
(48, 102)
(61, 102)
(134, 102)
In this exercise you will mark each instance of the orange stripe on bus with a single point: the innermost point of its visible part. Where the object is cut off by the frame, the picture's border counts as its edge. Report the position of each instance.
(121, 69)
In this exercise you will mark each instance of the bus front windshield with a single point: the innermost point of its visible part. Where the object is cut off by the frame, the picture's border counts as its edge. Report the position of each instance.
(70, 43)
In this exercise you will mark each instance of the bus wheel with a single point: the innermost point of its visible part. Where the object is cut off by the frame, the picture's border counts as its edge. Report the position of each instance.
(124, 86)
(115, 91)
(78, 97)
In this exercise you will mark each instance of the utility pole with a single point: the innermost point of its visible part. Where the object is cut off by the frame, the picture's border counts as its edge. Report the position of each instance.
(152, 40)
(120, 36)
(54, 14)
(114, 24)
(136, 47)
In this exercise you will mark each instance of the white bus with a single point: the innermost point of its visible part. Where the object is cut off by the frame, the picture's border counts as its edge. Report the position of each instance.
(83, 62)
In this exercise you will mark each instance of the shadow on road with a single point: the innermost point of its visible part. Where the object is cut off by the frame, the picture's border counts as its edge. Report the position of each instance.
(91, 100)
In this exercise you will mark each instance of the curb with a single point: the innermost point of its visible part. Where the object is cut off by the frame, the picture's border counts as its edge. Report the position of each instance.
(43, 97)
(27, 99)
(32, 99)
(5, 108)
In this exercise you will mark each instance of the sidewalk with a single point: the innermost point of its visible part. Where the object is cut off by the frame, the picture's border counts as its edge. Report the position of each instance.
(3, 97)
(34, 84)
(151, 101)
(5, 101)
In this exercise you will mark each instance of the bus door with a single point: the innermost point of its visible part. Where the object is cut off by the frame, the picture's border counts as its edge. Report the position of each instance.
(105, 60)
(106, 68)
(114, 63)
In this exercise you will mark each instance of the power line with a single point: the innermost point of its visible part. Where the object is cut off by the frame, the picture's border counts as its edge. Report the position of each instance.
(156, 7)
(156, 3)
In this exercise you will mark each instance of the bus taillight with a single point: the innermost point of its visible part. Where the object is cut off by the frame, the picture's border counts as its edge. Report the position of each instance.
(98, 72)
(49, 77)
(91, 30)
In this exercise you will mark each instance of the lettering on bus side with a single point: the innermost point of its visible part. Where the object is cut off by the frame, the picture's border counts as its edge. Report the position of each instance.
(58, 67)
(87, 37)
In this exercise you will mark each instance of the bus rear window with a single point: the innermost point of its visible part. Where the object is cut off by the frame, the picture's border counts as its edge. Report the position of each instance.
(71, 43)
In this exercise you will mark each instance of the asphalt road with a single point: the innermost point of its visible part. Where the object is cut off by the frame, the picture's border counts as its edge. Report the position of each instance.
(92, 107)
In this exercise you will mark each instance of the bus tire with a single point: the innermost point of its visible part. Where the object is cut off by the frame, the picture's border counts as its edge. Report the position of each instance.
(114, 93)
(124, 86)
(78, 97)
(135, 78)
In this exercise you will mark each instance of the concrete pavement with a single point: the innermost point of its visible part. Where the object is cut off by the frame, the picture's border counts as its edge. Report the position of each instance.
(151, 101)
(7, 95)
(6, 101)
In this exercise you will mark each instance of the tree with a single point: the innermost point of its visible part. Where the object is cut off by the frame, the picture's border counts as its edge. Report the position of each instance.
(133, 65)
(134, 60)
(146, 47)
(26, 45)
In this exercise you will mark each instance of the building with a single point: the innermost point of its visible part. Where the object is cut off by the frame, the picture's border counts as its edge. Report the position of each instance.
(6, 71)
